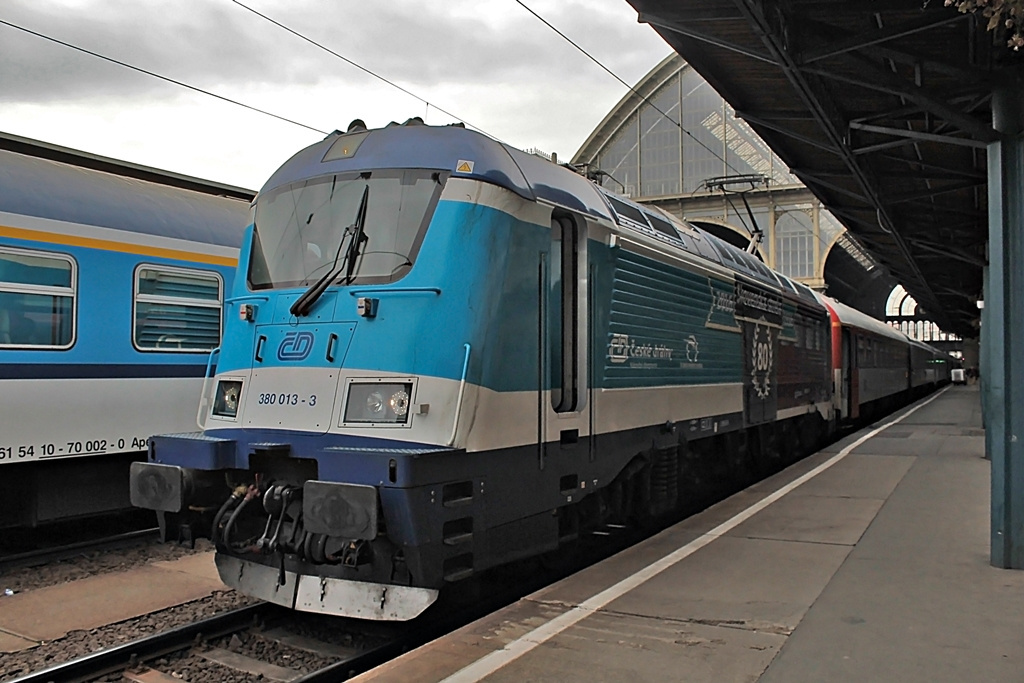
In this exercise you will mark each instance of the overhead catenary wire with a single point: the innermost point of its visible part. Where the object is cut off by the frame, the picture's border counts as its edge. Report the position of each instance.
(358, 66)
(160, 76)
(229, 100)
(654, 106)
(820, 238)
(628, 86)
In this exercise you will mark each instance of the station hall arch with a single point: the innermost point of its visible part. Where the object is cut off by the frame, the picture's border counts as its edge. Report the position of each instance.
(639, 152)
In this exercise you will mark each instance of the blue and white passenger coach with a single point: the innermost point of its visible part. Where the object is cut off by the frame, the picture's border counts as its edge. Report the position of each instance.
(443, 354)
(112, 277)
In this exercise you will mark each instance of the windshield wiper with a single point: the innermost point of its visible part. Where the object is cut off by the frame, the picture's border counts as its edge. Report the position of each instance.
(358, 239)
(305, 302)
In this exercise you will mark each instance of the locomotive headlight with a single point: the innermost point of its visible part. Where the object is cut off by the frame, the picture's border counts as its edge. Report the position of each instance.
(225, 403)
(378, 402)
(375, 404)
(399, 402)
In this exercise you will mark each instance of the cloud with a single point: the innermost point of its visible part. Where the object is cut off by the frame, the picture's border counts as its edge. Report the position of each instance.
(489, 62)
(200, 43)
(418, 45)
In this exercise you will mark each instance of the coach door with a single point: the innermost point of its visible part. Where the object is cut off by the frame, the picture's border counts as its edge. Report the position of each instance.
(563, 411)
(851, 383)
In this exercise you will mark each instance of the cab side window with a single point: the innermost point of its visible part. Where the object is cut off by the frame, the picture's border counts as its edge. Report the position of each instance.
(37, 299)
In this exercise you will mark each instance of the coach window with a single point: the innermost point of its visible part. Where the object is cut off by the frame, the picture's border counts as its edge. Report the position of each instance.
(37, 299)
(177, 309)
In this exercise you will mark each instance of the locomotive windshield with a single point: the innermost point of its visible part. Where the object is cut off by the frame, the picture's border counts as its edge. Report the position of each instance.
(303, 229)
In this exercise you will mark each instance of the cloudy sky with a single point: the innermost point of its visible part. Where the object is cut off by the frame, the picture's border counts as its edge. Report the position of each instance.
(488, 62)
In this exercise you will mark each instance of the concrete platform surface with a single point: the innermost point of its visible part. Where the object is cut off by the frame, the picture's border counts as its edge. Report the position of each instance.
(865, 562)
(29, 618)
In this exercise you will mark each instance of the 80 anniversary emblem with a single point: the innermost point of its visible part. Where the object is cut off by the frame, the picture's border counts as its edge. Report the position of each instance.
(762, 358)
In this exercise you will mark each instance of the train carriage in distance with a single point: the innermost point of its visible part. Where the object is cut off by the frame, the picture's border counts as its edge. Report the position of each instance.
(443, 354)
(112, 279)
(876, 366)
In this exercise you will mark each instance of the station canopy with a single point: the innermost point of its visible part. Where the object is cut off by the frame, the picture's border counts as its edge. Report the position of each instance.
(882, 109)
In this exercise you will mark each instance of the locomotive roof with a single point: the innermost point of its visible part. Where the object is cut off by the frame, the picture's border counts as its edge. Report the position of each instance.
(468, 154)
(60, 184)
(463, 153)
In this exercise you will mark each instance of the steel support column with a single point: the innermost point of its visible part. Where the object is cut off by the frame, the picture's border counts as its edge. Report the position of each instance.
(1003, 327)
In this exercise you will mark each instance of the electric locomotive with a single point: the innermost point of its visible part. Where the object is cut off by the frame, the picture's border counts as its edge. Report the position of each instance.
(443, 354)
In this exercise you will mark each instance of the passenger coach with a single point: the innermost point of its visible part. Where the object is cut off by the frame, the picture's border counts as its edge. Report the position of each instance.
(112, 280)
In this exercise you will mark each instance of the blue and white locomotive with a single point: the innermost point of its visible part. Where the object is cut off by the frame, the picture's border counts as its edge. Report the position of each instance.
(444, 354)
(112, 277)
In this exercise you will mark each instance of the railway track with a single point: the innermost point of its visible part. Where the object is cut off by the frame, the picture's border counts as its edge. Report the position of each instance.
(45, 555)
(122, 657)
(264, 642)
(217, 641)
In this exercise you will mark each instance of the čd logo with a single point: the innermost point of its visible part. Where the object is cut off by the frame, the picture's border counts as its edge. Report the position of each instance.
(295, 346)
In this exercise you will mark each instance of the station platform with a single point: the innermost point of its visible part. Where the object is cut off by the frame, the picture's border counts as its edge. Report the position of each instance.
(868, 561)
(37, 616)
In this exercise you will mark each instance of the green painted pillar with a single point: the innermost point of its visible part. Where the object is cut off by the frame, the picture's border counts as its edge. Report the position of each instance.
(1003, 326)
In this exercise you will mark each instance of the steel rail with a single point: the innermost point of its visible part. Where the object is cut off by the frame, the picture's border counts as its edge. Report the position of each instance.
(32, 558)
(358, 663)
(121, 657)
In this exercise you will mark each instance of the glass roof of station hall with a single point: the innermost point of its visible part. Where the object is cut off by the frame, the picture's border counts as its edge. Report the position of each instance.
(649, 154)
